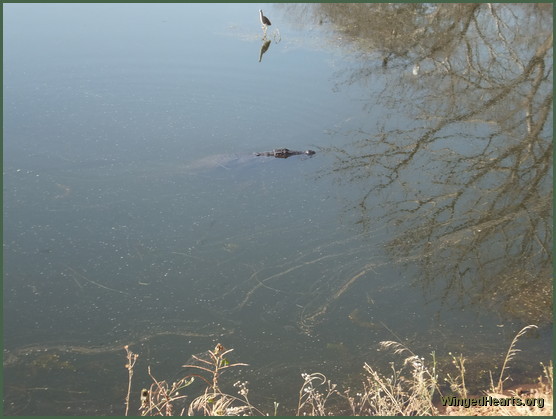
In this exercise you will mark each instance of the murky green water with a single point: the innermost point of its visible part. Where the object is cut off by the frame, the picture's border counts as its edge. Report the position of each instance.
(136, 213)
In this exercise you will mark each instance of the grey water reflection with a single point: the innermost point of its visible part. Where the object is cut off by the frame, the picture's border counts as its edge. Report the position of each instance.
(468, 182)
(137, 212)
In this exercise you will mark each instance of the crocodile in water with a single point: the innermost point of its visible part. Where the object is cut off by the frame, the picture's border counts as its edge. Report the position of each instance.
(284, 153)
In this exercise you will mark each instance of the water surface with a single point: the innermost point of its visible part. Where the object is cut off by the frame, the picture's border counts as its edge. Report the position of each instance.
(135, 212)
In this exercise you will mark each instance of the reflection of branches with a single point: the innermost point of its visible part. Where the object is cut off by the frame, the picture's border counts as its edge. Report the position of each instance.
(390, 29)
(308, 320)
(470, 178)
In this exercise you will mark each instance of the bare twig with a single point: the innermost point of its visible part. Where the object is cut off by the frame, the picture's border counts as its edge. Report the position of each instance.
(131, 360)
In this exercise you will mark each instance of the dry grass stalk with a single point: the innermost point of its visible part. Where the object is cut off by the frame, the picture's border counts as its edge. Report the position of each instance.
(221, 404)
(543, 391)
(512, 351)
(131, 360)
(457, 383)
(312, 401)
(407, 391)
(160, 398)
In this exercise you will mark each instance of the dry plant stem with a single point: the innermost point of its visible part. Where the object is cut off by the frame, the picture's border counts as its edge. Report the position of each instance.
(457, 384)
(131, 359)
(404, 396)
(461, 367)
(161, 398)
(386, 389)
(213, 402)
(219, 404)
(511, 353)
(218, 364)
(310, 396)
(406, 391)
(165, 397)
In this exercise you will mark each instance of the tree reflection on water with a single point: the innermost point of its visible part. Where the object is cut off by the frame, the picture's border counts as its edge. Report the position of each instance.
(463, 164)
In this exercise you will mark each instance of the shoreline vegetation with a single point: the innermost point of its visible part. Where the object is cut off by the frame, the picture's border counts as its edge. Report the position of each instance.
(417, 388)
